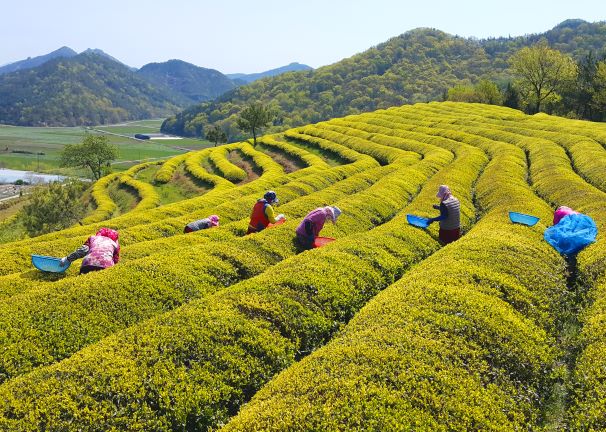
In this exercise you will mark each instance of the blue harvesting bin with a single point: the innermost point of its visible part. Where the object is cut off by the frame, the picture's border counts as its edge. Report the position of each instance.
(417, 221)
(48, 264)
(523, 219)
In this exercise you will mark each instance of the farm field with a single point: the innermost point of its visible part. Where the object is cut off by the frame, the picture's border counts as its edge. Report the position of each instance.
(383, 329)
(19, 146)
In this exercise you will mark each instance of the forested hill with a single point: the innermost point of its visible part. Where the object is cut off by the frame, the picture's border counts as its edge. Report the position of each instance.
(418, 66)
(86, 89)
(194, 84)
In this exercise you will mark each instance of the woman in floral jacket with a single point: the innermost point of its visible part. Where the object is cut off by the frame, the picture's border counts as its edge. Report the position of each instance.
(99, 251)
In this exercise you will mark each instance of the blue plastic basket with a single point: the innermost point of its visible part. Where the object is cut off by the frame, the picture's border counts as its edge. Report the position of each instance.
(523, 219)
(49, 264)
(417, 221)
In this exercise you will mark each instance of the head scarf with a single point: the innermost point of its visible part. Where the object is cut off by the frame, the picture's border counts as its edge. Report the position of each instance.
(444, 193)
(562, 211)
(214, 220)
(107, 232)
(332, 212)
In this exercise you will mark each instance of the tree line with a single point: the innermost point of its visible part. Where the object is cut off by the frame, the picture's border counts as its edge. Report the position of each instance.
(419, 66)
(545, 80)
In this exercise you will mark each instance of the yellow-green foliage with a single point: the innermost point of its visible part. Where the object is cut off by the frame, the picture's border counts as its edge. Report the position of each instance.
(192, 165)
(307, 158)
(105, 205)
(460, 342)
(168, 168)
(297, 321)
(147, 193)
(380, 330)
(241, 196)
(231, 172)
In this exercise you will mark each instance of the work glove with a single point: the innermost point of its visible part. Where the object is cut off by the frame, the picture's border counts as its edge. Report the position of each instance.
(436, 206)
(280, 217)
(63, 262)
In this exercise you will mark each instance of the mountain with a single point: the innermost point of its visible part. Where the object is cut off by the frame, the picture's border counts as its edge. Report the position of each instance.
(85, 89)
(63, 52)
(192, 83)
(106, 55)
(417, 66)
(248, 78)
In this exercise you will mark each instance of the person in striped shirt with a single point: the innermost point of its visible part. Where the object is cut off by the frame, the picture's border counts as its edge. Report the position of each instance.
(450, 215)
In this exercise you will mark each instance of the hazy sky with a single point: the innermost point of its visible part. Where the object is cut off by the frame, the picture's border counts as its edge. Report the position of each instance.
(253, 36)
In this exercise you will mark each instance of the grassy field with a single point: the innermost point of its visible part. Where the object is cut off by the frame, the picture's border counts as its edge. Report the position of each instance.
(38, 149)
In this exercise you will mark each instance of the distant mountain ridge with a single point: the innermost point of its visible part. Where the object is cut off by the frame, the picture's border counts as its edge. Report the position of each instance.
(192, 83)
(417, 66)
(292, 67)
(29, 87)
(86, 89)
(63, 52)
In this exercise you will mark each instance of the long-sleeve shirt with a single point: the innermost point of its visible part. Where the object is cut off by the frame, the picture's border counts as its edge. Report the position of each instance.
(97, 251)
(269, 212)
(313, 223)
(199, 224)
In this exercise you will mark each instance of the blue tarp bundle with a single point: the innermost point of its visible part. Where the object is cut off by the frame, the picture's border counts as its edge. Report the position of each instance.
(571, 234)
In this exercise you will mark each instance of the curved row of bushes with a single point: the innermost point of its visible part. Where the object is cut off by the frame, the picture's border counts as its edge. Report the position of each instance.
(229, 211)
(218, 157)
(149, 197)
(194, 167)
(298, 153)
(69, 295)
(168, 168)
(587, 155)
(231, 329)
(105, 205)
(20, 251)
(182, 207)
(555, 179)
(461, 342)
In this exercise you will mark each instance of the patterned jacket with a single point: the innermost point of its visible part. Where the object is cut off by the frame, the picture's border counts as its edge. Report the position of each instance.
(98, 251)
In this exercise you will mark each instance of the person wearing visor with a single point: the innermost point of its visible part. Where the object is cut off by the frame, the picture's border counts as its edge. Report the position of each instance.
(263, 213)
(100, 251)
(209, 222)
(450, 215)
(312, 224)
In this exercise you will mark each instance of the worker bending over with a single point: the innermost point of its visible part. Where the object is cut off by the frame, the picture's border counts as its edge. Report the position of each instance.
(99, 252)
(450, 215)
(263, 213)
(209, 222)
(312, 224)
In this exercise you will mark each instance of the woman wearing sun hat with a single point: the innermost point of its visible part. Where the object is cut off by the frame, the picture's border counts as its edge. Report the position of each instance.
(312, 224)
(209, 222)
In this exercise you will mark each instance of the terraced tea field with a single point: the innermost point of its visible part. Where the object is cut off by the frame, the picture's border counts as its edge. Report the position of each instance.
(383, 329)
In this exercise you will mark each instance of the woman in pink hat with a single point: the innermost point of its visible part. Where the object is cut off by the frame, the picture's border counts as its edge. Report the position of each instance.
(209, 222)
(99, 252)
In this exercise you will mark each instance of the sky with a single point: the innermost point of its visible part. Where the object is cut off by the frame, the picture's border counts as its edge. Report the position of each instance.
(253, 36)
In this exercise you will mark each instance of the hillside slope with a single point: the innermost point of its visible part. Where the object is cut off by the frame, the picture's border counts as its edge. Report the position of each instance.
(87, 89)
(192, 83)
(383, 329)
(417, 66)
